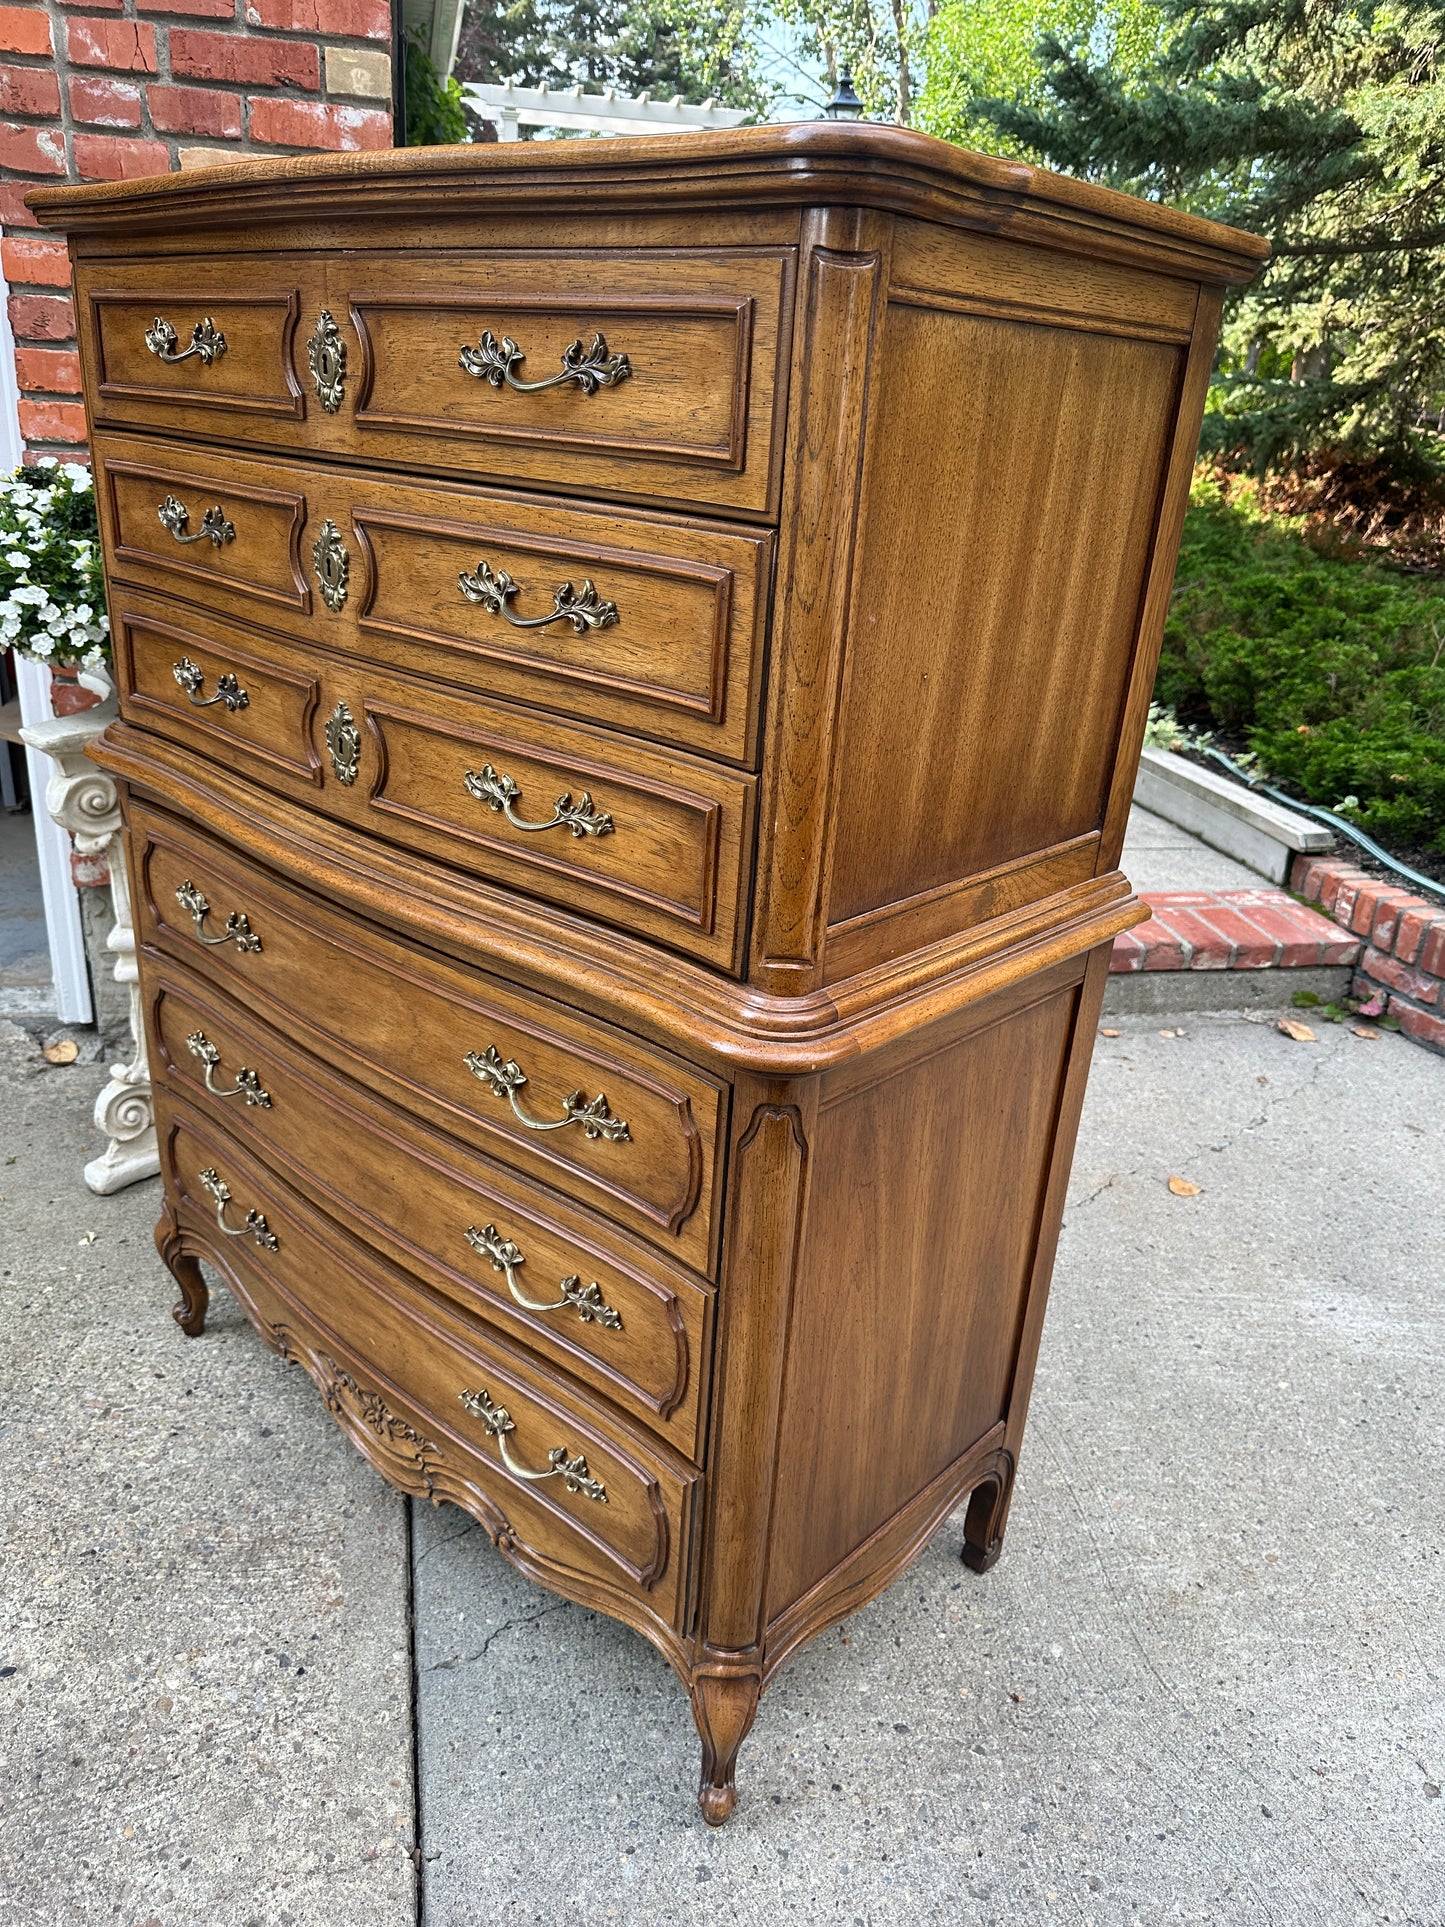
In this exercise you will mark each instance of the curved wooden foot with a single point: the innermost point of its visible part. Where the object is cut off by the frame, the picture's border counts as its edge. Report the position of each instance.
(724, 1706)
(189, 1311)
(987, 1515)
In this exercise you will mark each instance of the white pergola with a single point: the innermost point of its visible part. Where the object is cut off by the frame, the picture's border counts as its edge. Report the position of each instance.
(510, 108)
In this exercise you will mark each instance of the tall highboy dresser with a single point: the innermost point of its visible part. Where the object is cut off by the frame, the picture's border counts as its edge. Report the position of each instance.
(632, 660)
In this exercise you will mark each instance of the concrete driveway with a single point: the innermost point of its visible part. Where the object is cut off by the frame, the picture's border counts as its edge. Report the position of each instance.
(1204, 1684)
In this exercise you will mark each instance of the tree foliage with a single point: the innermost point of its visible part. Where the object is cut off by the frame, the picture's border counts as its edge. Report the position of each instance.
(980, 50)
(699, 49)
(435, 116)
(1322, 126)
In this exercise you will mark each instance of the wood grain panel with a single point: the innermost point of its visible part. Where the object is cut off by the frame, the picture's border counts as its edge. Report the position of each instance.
(403, 1023)
(414, 1196)
(271, 726)
(994, 617)
(670, 863)
(681, 660)
(251, 381)
(258, 557)
(928, 1170)
(406, 1361)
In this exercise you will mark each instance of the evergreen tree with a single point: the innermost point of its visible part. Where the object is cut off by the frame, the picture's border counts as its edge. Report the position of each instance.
(1321, 126)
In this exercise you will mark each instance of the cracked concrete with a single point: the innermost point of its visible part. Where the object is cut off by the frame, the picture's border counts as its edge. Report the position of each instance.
(1203, 1685)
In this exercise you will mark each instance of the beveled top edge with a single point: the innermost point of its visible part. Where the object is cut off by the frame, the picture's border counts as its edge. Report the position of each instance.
(793, 163)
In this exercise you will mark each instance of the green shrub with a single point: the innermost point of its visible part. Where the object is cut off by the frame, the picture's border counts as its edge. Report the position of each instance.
(1332, 670)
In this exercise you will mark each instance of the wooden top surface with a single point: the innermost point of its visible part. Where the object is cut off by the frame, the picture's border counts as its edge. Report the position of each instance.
(801, 163)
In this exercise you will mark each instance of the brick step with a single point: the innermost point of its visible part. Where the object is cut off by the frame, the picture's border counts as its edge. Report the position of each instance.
(1259, 929)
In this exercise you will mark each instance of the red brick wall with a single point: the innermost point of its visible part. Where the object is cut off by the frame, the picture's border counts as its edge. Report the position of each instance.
(1401, 970)
(103, 90)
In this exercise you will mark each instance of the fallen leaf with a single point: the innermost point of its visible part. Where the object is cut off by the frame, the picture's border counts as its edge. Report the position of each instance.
(1182, 1188)
(1365, 1030)
(1108, 1033)
(65, 1052)
(1301, 1033)
(1166, 1033)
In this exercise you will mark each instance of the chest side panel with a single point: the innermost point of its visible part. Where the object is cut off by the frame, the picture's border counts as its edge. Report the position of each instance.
(1017, 459)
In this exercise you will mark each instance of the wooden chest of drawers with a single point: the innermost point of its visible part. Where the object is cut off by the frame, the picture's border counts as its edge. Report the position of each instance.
(633, 658)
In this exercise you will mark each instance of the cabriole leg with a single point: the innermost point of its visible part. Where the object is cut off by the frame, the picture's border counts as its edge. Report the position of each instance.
(189, 1311)
(724, 1706)
(987, 1515)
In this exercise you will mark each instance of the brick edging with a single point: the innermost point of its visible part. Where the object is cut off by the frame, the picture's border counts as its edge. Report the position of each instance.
(1401, 969)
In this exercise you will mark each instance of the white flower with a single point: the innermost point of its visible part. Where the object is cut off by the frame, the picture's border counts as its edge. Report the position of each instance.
(93, 659)
(18, 559)
(41, 646)
(105, 625)
(83, 612)
(47, 461)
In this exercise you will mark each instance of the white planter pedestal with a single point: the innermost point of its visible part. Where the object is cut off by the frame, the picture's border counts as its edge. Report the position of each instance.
(82, 799)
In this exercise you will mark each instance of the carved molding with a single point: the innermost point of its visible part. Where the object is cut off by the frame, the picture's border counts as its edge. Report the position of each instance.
(82, 799)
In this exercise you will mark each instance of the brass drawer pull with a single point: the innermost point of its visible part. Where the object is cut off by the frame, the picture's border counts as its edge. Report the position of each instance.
(238, 925)
(584, 609)
(505, 1079)
(586, 1300)
(501, 792)
(247, 1084)
(174, 515)
(255, 1226)
(207, 341)
(499, 1421)
(590, 368)
(191, 677)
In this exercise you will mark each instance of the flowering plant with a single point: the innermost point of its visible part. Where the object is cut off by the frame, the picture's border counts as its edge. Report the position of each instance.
(52, 593)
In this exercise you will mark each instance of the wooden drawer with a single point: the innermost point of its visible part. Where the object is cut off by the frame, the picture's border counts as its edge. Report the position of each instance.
(632, 1327)
(637, 621)
(646, 1133)
(201, 346)
(652, 375)
(648, 840)
(395, 1365)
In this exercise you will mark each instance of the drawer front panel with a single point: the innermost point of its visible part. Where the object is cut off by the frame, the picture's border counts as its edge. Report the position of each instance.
(219, 695)
(632, 1327)
(599, 1113)
(650, 625)
(398, 1368)
(200, 346)
(195, 529)
(652, 376)
(634, 836)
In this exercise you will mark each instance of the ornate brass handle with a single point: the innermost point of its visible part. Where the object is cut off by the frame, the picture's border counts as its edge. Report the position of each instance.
(191, 676)
(590, 368)
(586, 1300)
(500, 792)
(584, 609)
(238, 925)
(499, 1422)
(255, 1226)
(505, 1079)
(247, 1084)
(207, 341)
(174, 515)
